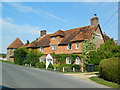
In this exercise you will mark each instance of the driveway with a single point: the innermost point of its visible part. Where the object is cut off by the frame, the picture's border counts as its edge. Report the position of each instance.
(14, 76)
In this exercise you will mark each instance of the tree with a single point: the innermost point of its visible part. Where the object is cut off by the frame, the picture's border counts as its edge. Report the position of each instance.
(109, 49)
(3, 55)
(20, 55)
(33, 57)
(87, 47)
(28, 42)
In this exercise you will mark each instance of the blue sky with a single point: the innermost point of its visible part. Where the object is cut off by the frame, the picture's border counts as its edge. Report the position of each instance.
(26, 19)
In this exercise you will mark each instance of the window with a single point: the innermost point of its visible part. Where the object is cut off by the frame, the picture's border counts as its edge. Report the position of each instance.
(77, 45)
(41, 49)
(68, 60)
(77, 60)
(69, 46)
(53, 47)
(41, 59)
(54, 38)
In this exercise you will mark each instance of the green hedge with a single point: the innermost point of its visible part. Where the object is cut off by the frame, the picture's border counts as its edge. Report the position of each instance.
(40, 65)
(109, 69)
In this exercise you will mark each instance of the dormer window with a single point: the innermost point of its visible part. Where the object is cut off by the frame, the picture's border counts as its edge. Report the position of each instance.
(69, 47)
(53, 38)
(54, 47)
(41, 49)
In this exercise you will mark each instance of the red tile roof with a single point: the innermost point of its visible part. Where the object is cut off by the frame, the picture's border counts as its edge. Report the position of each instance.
(15, 44)
(68, 36)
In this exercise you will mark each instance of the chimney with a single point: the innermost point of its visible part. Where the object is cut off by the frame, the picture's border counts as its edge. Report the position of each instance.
(94, 20)
(42, 33)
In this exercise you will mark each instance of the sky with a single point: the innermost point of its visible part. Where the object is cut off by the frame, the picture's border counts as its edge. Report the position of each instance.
(25, 19)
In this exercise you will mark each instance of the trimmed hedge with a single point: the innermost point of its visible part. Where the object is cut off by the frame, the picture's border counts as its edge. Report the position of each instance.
(108, 70)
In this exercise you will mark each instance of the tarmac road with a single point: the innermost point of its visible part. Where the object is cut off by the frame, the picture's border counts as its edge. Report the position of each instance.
(14, 76)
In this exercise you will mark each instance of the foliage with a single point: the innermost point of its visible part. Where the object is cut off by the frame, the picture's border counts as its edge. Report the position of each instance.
(3, 55)
(56, 65)
(40, 65)
(109, 69)
(77, 67)
(87, 47)
(96, 68)
(109, 49)
(33, 57)
(50, 66)
(28, 42)
(94, 58)
(20, 55)
(62, 57)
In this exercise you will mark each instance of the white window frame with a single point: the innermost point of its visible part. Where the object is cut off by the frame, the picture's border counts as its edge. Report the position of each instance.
(54, 47)
(68, 60)
(77, 45)
(41, 59)
(41, 49)
(53, 38)
(68, 46)
(77, 61)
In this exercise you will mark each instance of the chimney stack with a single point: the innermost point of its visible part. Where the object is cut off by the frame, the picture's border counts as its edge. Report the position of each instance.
(42, 33)
(94, 20)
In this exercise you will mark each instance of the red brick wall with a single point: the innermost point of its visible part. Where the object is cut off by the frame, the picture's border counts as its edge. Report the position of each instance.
(61, 49)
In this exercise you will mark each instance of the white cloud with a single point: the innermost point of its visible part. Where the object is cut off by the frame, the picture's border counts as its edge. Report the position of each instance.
(8, 26)
(10, 31)
(9, 19)
(43, 13)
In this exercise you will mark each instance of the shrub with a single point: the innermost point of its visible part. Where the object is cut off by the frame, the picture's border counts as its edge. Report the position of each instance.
(77, 67)
(56, 65)
(50, 66)
(96, 68)
(33, 57)
(40, 65)
(67, 67)
(20, 55)
(109, 69)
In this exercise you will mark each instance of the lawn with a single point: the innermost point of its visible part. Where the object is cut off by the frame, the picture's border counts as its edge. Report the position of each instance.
(104, 82)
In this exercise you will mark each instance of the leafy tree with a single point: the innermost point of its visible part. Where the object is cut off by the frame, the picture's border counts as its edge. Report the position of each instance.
(3, 55)
(109, 49)
(87, 47)
(33, 57)
(20, 55)
(28, 42)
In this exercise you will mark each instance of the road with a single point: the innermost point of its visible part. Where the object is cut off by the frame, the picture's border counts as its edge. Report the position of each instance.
(14, 76)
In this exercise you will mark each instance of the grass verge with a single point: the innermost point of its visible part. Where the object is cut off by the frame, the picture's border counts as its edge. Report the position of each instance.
(104, 82)
(7, 61)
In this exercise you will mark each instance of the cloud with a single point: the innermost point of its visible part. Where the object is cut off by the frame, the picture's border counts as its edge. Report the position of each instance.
(9, 19)
(43, 13)
(8, 26)
(10, 31)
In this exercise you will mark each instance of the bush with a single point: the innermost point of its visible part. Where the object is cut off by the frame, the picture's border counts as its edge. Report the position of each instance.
(33, 57)
(40, 65)
(109, 70)
(77, 67)
(50, 66)
(56, 65)
(20, 55)
(96, 68)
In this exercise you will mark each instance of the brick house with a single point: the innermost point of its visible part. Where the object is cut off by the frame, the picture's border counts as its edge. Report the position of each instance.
(67, 42)
(13, 46)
